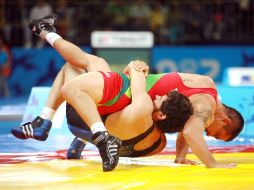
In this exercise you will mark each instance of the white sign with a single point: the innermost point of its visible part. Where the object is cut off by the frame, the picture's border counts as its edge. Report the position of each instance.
(102, 39)
(238, 76)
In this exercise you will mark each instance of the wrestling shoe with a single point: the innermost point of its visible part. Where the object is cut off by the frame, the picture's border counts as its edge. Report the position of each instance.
(76, 149)
(109, 149)
(37, 26)
(37, 129)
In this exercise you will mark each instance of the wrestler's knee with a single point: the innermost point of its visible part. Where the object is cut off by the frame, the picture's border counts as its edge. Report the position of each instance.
(70, 68)
(98, 64)
(69, 91)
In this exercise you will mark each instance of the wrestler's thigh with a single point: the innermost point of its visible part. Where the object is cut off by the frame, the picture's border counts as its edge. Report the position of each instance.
(92, 83)
(71, 72)
(97, 64)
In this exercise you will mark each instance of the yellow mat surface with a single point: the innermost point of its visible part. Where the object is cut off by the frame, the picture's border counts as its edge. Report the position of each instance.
(155, 172)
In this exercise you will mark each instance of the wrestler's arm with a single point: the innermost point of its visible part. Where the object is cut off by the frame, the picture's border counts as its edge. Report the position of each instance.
(141, 105)
(181, 151)
(193, 134)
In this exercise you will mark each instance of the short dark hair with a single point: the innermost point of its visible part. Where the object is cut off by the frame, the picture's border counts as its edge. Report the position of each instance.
(177, 109)
(237, 122)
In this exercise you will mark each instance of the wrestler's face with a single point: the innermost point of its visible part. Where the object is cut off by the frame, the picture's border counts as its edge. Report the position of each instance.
(217, 131)
(157, 114)
(158, 102)
(218, 128)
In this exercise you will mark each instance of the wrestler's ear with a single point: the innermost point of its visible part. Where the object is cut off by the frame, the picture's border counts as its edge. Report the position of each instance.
(158, 115)
(161, 116)
(227, 121)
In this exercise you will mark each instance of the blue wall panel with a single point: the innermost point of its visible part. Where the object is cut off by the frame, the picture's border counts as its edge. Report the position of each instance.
(34, 67)
(39, 67)
(207, 60)
(242, 99)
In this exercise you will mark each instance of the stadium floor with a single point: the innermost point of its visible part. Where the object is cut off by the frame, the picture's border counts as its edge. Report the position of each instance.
(155, 172)
(29, 164)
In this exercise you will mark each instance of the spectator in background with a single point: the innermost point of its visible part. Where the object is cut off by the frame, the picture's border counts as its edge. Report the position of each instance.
(194, 26)
(18, 15)
(158, 20)
(7, 18)
(2, 18)
(39, 10)
(139, 15)
(5, 67)
(118, 12)
(245, 23)
(64, 15)
(216, 25)
(176, 24)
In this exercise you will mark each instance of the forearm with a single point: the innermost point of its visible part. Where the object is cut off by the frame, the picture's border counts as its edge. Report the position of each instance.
(141, 106)
(138, 83)
(181, 147)
(193, 135)
(200, 149)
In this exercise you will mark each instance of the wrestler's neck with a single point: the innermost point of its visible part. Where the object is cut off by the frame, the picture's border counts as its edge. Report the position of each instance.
(220, 110)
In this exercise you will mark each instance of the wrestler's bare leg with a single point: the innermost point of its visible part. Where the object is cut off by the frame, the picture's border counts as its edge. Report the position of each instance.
(81, 61)
(71, 53)
(83, 96)
(79, 95)
(87, 63)
(41, 125)
(67, 72)
(55, 98)
(78, 92)
(83, 93)
(78, 58)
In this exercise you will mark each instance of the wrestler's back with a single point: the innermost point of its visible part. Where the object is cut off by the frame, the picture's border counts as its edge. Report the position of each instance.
(196, 81)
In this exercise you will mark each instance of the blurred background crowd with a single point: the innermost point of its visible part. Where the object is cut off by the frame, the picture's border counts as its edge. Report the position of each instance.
(174, 22)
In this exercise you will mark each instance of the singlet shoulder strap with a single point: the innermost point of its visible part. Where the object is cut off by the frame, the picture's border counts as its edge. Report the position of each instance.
(137, 139)
(147, 150)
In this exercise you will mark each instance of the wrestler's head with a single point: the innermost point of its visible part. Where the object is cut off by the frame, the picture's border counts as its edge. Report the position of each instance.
(227, 124)
(171, 111)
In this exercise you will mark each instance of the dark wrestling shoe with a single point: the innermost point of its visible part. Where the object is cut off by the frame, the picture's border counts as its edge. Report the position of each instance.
(109, 149)
(76, 149)
(44, 24)
(37, 129)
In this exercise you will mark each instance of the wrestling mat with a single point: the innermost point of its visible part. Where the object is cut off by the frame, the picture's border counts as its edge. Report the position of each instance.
(51, 170)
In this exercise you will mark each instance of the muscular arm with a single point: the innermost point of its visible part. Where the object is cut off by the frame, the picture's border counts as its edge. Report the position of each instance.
(193, 134)
(182, 150)
(181, 147)
(204, 109)
(141, 101)
(203, 116)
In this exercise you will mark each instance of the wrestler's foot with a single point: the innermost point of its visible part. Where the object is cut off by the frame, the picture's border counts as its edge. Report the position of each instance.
(109, 149)
(37, 129)
(44, 25)
(76, 149)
